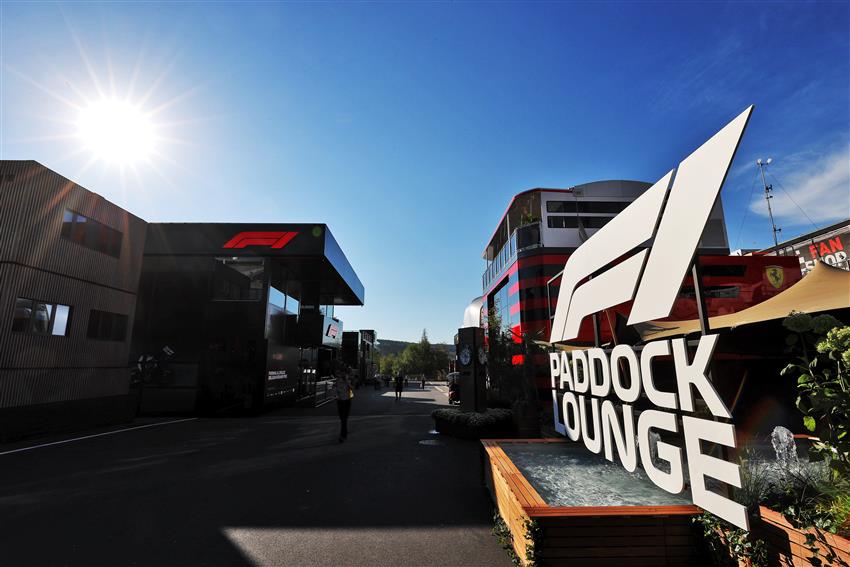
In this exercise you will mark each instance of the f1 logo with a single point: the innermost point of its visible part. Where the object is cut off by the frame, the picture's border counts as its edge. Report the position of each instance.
(674, 211)
(270, 239)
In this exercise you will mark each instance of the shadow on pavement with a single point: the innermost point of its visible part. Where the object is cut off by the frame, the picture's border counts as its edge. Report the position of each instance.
(274, 490)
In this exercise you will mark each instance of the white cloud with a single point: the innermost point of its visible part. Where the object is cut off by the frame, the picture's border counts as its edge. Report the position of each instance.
(820, 186)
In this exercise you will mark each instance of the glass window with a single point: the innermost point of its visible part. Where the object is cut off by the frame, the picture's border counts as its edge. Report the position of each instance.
(67, 223)
(238, 279)
(585, 206)
(292, 305)
(107, 326)
(277, 297)
(78, 231)
(595, 222)
(23, 315)
(42, 313)
(732, 270)
(91, 234)
(40, 317)
(60, 320)
(573, 222)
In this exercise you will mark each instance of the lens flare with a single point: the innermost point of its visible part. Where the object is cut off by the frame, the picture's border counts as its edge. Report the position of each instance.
(116, 132)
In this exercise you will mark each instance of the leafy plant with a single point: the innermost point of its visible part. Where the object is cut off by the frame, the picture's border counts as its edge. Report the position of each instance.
(823, 383)
(729, 545)
(534, 531)
(755, 482)
(506, 540)
(505, 537)
(820, 504)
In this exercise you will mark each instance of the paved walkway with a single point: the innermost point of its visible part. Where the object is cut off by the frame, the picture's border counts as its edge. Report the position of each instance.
(274, 490)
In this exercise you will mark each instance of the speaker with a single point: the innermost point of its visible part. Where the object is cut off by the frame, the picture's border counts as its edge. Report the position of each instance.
(472, 366)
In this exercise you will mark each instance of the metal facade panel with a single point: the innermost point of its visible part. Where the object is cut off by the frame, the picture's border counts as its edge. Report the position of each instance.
(27, 350)
(32, 386)
(33, 200)
(36, 262)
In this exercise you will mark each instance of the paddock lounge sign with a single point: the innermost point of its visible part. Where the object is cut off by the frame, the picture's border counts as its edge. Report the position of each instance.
(672, 215)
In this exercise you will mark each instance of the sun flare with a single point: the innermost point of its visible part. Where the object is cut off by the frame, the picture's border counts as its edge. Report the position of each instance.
(116, 132)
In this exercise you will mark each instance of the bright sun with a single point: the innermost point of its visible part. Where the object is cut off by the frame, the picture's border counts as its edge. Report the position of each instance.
(116, 132)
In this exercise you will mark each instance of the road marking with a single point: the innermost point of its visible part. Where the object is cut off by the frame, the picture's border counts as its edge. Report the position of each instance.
(96, 435)
(441, 389)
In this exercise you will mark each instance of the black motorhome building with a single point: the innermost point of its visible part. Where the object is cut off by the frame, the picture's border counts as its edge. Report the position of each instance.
(247, 309)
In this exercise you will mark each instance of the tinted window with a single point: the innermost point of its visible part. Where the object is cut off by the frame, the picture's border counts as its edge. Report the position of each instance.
(585, 206)
(91, 234)
(239, 279)
(732, 270)
(23, 314)
(107, 326)
(572, 221)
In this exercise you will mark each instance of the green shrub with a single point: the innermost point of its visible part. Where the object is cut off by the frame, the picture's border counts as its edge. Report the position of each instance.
(492, 418)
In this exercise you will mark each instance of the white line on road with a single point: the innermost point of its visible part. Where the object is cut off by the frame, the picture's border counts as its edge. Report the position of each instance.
(97, 435)
(442, 389)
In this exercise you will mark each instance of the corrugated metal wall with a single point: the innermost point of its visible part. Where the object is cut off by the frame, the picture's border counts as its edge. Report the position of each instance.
(37, 263)
(31, 208)
(46, 385)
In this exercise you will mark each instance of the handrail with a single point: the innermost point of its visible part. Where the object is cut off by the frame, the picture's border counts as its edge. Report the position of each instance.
(512, 246)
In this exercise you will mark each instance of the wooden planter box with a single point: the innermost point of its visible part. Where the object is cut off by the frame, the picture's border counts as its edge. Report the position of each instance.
(597, 536)
(786, 544)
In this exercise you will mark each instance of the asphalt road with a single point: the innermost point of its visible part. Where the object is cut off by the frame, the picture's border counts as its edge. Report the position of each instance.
(273, 490)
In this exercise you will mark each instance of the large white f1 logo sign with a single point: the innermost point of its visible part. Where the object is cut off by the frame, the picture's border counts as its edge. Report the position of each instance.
(692, 190)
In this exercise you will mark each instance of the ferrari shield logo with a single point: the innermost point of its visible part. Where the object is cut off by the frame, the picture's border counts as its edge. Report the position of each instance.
(775, 276)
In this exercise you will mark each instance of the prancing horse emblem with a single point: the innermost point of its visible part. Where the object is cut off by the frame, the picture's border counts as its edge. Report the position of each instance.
(775, 275)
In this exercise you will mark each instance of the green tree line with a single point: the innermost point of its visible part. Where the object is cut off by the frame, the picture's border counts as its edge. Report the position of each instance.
(417, 358)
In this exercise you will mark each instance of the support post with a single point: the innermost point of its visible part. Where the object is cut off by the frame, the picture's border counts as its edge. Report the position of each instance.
(699, 295)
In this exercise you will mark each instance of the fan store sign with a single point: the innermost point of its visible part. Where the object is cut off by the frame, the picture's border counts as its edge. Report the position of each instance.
(653, 242)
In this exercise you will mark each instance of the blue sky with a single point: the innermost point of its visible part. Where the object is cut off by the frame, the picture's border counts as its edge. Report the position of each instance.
(407, 127)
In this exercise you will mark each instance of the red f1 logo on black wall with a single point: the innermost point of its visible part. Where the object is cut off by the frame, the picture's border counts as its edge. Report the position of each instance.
(270, 239)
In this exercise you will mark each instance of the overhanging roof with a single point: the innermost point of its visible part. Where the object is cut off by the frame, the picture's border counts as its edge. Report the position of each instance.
(310, 250)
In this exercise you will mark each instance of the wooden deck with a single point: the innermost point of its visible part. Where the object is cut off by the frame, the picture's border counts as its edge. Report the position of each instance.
(600, 536)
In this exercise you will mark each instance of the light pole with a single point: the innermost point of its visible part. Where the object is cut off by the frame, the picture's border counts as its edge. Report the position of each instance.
(767, 196)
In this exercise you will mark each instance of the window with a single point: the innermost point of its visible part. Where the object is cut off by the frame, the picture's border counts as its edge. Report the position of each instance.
(41, 318)
(720, 270)
(238, 279)
(287, 303)
(91, 234)
(107, 326)
(572, 222)
(585, 206)
(714, 292)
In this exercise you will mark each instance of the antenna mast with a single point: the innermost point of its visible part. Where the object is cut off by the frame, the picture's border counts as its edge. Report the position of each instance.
(767, 197)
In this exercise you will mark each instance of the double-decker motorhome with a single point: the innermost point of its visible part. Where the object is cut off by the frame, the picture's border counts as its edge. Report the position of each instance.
(542, 227)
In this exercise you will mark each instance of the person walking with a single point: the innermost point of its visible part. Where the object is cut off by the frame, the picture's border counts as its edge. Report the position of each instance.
(344, 394)
(399, 386)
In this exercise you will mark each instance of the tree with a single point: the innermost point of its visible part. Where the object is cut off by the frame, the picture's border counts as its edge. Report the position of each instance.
(422, 358)
(387, 364)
